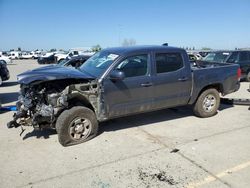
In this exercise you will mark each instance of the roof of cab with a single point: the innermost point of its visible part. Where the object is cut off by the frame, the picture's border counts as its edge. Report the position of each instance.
(134, 49)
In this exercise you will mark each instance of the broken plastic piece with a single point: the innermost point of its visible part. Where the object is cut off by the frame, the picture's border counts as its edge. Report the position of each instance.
(174, 150)
(8, 108)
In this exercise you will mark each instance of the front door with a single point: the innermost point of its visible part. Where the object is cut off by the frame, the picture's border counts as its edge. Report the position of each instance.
(133, 94)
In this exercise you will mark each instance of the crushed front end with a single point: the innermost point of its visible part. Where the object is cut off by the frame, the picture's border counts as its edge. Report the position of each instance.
(40, 103)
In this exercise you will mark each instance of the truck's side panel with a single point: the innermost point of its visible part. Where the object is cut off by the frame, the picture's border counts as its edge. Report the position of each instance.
(224, 77)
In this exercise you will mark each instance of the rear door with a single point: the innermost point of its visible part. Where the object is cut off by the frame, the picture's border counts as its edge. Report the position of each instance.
(132, 94)
(171, 79)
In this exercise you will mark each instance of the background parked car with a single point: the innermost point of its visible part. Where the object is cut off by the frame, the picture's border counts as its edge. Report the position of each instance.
(4, 72)
(194, 56)
(217, 56)
(241, 57)
(6, 59)
(36, 54)
(73, 53)
(15, 55)
(76, 61)
(30, 55)
(26, 55)
(47, 59)
(203, 53)
(60, 56)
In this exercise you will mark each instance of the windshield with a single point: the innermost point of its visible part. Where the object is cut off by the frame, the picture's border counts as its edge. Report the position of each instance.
(216, 57)
(98, 63)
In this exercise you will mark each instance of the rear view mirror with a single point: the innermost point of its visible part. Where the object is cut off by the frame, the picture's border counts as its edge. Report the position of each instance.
(117, 75)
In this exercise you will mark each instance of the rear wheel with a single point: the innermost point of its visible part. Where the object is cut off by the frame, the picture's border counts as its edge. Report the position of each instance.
(76, 125)
(207, 103)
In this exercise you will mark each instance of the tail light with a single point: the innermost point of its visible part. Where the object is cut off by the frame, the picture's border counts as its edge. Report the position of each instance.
(239, 74)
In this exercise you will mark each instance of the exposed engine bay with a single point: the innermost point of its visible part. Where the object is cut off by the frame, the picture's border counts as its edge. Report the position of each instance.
(40, 103)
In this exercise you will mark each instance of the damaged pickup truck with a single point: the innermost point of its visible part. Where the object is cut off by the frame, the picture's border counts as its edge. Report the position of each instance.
(118, 82)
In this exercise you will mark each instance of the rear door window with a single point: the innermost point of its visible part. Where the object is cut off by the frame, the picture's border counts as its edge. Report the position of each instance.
(168, 62)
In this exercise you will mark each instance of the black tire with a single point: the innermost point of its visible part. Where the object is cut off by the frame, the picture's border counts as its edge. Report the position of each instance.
(207, 103)
(70, 127)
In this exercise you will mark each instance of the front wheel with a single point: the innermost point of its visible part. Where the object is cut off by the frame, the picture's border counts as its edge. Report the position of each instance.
(207, 103)
(76, 125)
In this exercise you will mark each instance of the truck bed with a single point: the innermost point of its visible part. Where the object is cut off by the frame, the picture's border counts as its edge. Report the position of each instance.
(222, 74)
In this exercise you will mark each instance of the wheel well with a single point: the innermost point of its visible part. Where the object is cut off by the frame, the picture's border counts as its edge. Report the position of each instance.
(81, 101)
(218, 87)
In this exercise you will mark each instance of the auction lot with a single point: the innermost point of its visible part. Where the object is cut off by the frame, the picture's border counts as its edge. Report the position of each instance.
(167, 148)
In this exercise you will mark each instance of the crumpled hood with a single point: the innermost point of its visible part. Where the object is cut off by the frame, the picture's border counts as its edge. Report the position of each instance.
(51, 73)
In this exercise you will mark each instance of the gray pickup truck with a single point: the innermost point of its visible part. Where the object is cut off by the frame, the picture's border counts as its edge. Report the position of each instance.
(118, 82)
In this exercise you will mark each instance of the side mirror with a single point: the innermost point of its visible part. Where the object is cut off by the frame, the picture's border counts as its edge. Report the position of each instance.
(117, 75)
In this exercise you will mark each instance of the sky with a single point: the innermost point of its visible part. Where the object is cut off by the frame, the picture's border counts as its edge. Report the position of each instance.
(64, 24)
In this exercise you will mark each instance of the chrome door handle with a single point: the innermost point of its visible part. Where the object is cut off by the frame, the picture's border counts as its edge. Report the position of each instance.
(183, 79)
(146, 84)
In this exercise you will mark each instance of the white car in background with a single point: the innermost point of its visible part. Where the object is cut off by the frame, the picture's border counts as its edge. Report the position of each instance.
(36, 54)
(15, 55)
(6, 59)
(26, 55)
(31, 55)
(61, 56)
(74, 52)
(47, 54)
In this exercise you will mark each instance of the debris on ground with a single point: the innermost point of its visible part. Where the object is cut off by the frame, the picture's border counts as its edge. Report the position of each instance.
(147, 177)
(175, 150)
(236, 101)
